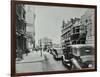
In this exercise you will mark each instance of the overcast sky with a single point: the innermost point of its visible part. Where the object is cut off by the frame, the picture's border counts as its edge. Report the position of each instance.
(48, 20)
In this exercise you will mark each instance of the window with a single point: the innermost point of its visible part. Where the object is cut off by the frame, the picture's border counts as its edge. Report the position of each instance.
(82, 42)
(86, 50)
(75, 50)
(73, 29)
(77, 30)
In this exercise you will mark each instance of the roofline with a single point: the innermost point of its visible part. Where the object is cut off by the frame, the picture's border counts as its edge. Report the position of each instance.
(80, 45)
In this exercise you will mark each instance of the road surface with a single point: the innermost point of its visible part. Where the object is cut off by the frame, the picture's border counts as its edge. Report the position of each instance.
(35, 63)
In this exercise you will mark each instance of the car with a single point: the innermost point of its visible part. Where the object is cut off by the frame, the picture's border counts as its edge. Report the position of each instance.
(58, 52)
(79, 56)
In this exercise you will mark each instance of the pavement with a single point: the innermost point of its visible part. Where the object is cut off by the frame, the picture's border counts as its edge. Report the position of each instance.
(31, 57)
(34, 62)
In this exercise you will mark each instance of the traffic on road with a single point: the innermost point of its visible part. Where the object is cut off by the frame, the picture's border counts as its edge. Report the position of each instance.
(56, 59)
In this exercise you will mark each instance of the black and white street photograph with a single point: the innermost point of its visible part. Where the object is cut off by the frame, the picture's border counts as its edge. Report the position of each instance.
(53, 38)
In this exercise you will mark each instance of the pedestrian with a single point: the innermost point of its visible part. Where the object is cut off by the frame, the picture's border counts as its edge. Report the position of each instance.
(20, 54)
(26, 52)
(16, 53)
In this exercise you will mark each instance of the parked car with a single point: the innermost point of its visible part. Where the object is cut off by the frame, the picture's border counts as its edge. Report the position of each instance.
(79, 56)
(59, 53)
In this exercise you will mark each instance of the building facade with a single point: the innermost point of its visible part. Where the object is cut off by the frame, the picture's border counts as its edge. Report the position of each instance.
(79, 30)
(45, 43)
(66, 33)
(20, 28)
(88, 21)
(73, 32)
(30, 26)
(78, 34)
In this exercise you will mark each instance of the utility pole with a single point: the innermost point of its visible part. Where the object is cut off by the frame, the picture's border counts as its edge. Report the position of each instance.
(41, 47)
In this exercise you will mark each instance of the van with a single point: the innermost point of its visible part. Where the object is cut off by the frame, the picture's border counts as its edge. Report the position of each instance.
(59, 54)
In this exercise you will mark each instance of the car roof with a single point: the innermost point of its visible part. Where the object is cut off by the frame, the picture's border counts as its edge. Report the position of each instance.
(81, 45)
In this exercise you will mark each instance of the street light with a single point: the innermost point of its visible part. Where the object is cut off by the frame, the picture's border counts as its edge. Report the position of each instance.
(41, 47)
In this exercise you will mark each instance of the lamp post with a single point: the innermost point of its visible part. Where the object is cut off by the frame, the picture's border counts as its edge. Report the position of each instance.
(41, 47)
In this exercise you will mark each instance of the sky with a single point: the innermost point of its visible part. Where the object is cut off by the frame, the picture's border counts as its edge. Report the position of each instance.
(49, 19)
